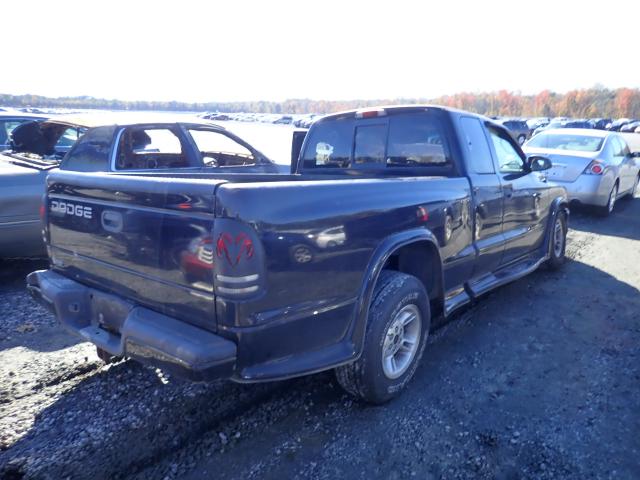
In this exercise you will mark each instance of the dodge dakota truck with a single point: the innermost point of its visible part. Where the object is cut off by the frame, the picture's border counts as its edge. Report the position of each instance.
(393, 219)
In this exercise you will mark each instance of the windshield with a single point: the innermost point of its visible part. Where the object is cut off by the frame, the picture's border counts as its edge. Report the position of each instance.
(576, 143)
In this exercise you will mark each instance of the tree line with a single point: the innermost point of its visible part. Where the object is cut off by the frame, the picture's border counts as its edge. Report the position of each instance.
(592, 103)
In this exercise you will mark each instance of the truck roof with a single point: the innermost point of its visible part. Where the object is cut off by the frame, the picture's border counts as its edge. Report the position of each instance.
(407, 107)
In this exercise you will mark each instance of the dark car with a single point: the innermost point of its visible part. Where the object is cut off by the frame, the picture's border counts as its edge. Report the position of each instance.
(616, 125)
(578, 123)
(630, 127)
(600, 123)
(9, 121)
(519, 129)
(394, 218)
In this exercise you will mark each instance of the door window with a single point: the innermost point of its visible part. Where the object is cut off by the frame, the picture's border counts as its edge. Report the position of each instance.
(476, 145)
(219, 150)
(150, 148)
(509, 159)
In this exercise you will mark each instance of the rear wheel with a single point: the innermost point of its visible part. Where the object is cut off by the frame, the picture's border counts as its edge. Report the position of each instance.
(397, 330)
(558, 242)
(611, 202)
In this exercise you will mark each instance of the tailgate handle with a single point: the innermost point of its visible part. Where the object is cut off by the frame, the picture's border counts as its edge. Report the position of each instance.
(112, 221)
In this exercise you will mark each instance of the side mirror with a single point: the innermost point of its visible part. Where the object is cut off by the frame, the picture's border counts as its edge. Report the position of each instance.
(635, 154)
(539, 163)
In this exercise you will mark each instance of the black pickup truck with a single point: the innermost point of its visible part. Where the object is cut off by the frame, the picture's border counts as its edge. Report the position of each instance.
(394, 218)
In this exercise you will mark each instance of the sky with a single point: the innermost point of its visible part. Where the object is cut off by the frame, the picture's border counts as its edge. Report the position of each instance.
(241, 50)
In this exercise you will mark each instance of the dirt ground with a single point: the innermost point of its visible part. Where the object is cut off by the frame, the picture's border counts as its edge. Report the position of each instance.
(540, 379)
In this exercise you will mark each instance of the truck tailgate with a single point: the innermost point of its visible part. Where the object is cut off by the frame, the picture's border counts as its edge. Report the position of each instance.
(141, 238)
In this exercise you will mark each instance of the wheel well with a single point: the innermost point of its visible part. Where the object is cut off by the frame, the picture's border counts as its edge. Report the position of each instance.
(421, 260)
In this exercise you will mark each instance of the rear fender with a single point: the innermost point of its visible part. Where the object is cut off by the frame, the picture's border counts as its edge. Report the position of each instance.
(380, 256)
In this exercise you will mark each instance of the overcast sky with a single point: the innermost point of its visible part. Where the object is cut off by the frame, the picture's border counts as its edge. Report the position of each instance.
(273, 50)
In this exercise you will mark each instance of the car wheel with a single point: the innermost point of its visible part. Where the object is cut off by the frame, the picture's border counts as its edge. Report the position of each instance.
(558, 242)
(521, 139)
(611, 202)
(301, 254)
(397, 330)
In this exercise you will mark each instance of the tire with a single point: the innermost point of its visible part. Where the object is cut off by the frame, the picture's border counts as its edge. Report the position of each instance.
(301, 254)
(611, 202)
(558, 245)
(396, 297)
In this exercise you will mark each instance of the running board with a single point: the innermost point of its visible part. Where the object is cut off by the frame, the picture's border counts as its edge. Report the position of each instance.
(503, 276)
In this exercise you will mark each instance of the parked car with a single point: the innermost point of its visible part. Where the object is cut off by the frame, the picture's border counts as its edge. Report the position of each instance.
(578, 123)
(9, 121)
(111, 144)
(595, 166)
(518, 129)
(616, 125)
(630, 127)
(284, 120)
(600, 123)
(417, 210)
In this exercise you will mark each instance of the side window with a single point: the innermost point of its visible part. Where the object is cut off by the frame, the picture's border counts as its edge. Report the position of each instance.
(150, 148)
(509, 160)
(624, 148)
(416, 140)
(91, 153)
(617, 148)
(328, 144)
(219, 150)
(6, 127)
(475, 141)
(68, 138)
(370, 144)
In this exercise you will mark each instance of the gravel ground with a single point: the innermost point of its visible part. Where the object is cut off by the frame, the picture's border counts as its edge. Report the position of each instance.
(540, 379)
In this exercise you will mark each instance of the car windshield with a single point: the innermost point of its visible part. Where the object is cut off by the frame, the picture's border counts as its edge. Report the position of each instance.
(577, 143)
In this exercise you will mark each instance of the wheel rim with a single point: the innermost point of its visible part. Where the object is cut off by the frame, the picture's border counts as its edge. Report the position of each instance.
(401, 341)
(302, 255)
(558, 238)
(612, 198)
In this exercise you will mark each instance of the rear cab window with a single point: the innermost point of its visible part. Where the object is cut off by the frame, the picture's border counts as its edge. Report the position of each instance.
(386, 143)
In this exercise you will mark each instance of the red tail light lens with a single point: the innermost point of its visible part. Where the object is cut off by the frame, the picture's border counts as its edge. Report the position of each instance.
(594, 168)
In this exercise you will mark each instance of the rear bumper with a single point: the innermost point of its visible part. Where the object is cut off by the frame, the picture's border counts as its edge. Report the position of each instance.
(127, 330)
(588, 189)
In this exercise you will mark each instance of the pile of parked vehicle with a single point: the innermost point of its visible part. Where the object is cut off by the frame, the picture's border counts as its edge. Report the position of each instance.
(524, 128)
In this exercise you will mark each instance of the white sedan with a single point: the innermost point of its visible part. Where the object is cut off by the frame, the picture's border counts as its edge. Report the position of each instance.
(595, 166)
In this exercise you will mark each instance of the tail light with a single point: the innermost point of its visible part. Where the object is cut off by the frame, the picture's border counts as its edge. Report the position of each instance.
(239, 266)
(594, 168)
(378, 112)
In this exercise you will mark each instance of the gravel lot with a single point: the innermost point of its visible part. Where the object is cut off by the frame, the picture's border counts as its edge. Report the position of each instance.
(540, 379)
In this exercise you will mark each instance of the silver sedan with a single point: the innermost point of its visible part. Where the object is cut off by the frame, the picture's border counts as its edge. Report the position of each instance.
(596, 167)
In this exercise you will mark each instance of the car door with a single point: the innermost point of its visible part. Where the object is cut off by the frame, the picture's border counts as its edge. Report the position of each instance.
(627, 164)
(525, 202)
(487, 204)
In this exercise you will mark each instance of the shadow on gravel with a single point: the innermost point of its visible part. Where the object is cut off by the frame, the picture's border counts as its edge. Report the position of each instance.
(623, 222)
(14, 272)
(534, 381)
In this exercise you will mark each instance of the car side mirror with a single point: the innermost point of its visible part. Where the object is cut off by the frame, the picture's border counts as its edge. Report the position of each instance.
(538, 163)
(635, 154)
